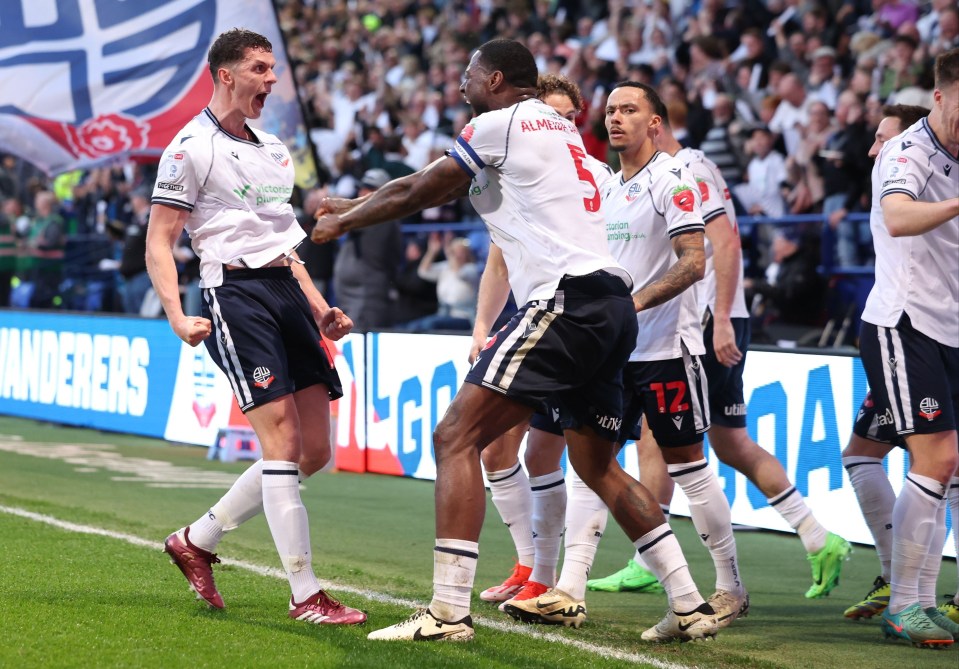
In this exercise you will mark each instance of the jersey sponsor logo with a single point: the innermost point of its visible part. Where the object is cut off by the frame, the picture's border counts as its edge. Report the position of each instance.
(726, 194)
(263, 377)
(467, 132)
(703, 189)
(619, 231)
(929, 408)
(633, 192)
(241, 192)
(893, 181)
(683, 198)
(280, 159)
(165, 185)
(902, 159)
(177, 156)
(478, 190)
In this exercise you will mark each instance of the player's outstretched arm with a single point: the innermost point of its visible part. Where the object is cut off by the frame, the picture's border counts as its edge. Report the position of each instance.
(166, 225)
(435, 184)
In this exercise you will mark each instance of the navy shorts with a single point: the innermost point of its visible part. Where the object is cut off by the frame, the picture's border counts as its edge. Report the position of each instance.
(912, 374)
(672, 394)
(570, 350)
(547, 419)
(876, 424)
(727, 403)
(264, 336)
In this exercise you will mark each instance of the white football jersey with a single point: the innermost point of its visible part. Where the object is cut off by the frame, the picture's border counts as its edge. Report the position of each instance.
(717, 200)
(918, 275)
(237, 193)
(642, 216)
(532, 187)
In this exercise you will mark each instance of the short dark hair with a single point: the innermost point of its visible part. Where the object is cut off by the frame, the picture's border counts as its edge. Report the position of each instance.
(549, 84)
(659, 108)
(907, 114)
(511, 58)
(947, 68)
(230, 47)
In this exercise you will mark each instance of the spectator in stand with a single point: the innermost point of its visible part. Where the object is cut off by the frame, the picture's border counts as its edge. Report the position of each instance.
(845, 168)
(762, 194)
(807, 186)
(457, 283)
(792, 290)
(40, 261)
(824, 81)
(892, 14)
(8, 253)
(792, 114)
(415, 296)
(898, 67)
(719, 145)
(133, 265)
(366, 265)
(948, 37)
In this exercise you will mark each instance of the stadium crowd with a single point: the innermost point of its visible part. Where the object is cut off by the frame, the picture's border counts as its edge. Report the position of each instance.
(784, 95)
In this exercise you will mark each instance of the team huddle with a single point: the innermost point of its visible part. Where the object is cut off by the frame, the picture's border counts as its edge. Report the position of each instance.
(631, 313)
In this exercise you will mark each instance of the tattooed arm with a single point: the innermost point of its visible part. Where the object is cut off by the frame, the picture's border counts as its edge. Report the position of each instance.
(690, 269)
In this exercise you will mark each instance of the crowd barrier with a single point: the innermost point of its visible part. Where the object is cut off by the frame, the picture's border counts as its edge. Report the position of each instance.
(134, 376)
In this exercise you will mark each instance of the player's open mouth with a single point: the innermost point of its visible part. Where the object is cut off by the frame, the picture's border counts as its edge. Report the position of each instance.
(261, 98)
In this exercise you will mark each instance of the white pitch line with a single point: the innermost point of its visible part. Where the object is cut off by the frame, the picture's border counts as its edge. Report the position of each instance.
(499, 625)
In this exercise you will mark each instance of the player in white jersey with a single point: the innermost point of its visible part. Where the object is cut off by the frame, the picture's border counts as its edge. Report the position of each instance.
(655, 229)
(522, 164)
(532, 506)
(229, 185)
(910, 340)
(726, 338)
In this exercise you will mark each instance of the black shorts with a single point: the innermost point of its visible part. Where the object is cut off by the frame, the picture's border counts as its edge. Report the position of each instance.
(264, 337)
(672, 394)
(727, 403)
(570, 350)
(912, 374)
(875, 423)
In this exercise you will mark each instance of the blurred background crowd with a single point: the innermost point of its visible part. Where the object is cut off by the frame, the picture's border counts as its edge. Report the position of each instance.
(784, 95)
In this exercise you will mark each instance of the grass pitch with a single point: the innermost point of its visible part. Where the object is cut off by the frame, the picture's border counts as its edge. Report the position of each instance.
(72, 598)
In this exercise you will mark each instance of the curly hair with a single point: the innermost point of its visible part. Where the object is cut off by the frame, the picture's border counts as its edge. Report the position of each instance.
(549, 84)
(230, 47)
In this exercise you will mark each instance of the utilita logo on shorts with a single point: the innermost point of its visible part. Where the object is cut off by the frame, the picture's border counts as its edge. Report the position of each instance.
(262, 377)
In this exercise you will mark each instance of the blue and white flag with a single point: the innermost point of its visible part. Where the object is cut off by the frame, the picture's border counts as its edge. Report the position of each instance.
(85, 81)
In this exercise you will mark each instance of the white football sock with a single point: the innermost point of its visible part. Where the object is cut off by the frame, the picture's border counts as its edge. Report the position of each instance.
(914, 526)
(514, 501)
(586, 519)
(637, 558)
(792, 507)
(952, 495)
(660, 550)
(549, 510)
(289, 526)
(709, 509)
(241, 502)
(929, 572)
(454, 568)
(876, 500)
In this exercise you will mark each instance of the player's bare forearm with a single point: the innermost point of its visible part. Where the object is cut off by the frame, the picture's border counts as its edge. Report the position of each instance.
(727, 259)
(690, 268)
